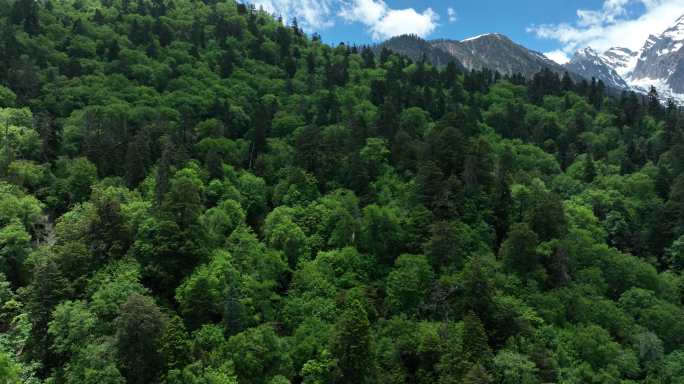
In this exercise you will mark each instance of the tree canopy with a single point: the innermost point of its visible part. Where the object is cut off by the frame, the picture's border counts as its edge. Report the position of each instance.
(193, 191)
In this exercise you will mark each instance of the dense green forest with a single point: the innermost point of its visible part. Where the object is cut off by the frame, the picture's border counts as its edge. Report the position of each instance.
(195, 192)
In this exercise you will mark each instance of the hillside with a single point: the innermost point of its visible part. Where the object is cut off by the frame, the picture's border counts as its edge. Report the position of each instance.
(192, 192)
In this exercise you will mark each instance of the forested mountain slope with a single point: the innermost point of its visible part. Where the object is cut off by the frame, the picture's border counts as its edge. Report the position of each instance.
(193, 192)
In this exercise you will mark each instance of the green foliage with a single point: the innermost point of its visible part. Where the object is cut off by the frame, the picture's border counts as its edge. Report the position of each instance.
(72, 327)
(519, 251)
(195, 192)
(9, 370)
(261, 350)
(409, 283)
(139, 328)
(352, 345)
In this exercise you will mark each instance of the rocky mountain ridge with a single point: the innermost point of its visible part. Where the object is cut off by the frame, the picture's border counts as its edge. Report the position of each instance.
(493, 51)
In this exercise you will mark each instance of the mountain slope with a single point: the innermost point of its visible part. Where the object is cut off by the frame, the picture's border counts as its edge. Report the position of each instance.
(416, 48)
(493, 51)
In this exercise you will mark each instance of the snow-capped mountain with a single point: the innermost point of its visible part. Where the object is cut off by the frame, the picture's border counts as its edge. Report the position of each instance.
(659, 63)
(589, 63)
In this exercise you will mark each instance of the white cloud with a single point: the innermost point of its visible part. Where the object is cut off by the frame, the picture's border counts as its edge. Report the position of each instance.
(380, 19)
(312, 15)
(558, 56)
(612, 25)
(384, 22)
(452, 15)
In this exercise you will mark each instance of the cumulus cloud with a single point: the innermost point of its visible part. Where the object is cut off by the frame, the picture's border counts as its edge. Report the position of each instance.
(612, 25)
(558, 56)
(377, 16)
(384, 22)
(312, 15)
(452, 15)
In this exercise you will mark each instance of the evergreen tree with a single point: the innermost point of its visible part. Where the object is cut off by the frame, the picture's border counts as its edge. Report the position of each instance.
(589, 173)
(477, 374)
(663, 181)
(139, 327)
(351, 345)
(654, 106)
(519, 250)
(175, 344)
(476, 348)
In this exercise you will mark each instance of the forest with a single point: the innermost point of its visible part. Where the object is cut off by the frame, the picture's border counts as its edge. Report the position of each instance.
(195, 192)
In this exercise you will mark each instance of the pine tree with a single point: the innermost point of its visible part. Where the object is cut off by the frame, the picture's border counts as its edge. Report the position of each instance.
(234, 310)
(475, 343)
(671, 122)
(368, 57)
(214, 164)
(589, 173)
(477, 374)
(175, 344)
(163, 175)
(519, 252)
(503, 200)
(566, 82)
(352, 345)
(663, 182)
(139, 327)
(654, 107)
(137, 159)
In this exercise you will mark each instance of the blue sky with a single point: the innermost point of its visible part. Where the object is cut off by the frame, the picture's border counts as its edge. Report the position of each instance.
(554, 27)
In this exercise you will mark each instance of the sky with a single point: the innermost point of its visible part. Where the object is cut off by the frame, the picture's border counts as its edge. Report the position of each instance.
(556, 28)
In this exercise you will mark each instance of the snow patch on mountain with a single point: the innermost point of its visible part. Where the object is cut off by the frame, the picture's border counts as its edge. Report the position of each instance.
(665, 92)
(622, 60)
(479, 37)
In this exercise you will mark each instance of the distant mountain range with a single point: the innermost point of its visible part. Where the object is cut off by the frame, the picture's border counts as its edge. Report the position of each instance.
(659, 63)
(494, 51)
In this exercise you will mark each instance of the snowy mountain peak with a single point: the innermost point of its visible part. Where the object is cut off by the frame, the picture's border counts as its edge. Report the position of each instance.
(587, 52)
(591, 64)
(485, 35)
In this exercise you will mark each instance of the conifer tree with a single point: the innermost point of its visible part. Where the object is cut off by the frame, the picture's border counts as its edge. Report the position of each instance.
(589, 169)
(476, 348)
(352, 345)
(175, 344)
